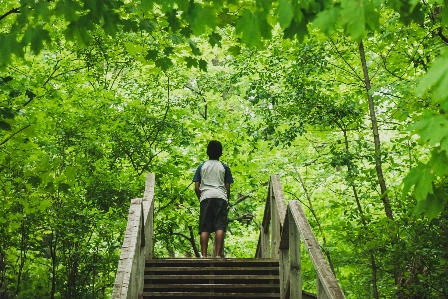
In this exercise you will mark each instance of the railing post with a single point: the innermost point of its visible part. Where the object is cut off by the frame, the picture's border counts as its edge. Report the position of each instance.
(284, 260)
(275, 224)
(264, 242)
(295, 259)
(148, 214)
(137, 245)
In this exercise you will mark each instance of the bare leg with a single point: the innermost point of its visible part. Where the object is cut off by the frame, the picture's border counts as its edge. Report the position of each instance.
(204, 243)
(219, 235)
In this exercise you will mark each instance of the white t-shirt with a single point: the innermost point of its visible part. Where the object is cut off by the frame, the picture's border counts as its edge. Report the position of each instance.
(213, 175)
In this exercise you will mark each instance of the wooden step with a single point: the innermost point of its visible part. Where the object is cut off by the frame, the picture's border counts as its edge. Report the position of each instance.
(207, 294)
(211, 278)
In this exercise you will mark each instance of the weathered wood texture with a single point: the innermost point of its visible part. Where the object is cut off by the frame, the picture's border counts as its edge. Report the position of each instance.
(328, 286)
(137, 245)
(273, 220)
(283, 229)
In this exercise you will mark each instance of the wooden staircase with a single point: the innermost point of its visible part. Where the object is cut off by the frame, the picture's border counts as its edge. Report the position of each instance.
(275, 272)
(210, 278)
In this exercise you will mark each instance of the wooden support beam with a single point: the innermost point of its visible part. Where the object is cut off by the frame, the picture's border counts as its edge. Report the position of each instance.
(295, 259)
(327, 282)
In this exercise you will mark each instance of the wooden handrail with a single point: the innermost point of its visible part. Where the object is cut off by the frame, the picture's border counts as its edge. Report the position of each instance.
(289, 226)
(138, 245)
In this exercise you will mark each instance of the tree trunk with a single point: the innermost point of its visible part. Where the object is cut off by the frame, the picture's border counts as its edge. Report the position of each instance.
(378, 162)
(376, 136)
(21, 257)
(53, 264)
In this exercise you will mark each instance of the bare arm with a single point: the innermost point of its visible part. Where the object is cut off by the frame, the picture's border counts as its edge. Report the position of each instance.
(227, 185)
(197, 190)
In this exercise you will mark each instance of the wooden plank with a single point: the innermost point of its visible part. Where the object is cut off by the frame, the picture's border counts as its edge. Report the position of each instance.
(148, 214)
(295, 259)
(213, 285)
(175, 277)
(209, 294)
(279, 197)
(321, 293)
(265, 243)
(224, 261)
(325, 275)
(213, 268)
(284, 272)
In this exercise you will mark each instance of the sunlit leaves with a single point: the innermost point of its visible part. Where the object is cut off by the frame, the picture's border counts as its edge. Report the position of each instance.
(355, 15)
(252, 27)
(201, 17)
(285, 13)
(437, 77)
(326, 20)
(36, 37)
(431, 128)
(215, 39)
(423, 177)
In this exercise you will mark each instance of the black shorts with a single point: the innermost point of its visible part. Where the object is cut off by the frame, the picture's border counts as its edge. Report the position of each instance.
(213, 215)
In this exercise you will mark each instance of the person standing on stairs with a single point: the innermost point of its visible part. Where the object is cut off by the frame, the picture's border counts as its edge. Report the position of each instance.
(212, 186)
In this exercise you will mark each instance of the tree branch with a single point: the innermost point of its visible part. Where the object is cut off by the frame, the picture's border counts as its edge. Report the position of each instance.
(442, 36)
(190, 239)
(14, 10)
(12, 135)
(242, 198)
(174, 198)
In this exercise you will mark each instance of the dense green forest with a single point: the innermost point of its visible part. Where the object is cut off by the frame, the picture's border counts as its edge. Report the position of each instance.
(346, 100)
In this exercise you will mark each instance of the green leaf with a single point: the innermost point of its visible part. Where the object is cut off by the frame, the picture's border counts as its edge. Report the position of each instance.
(191, 62)
(432, 205)
(5, 126)
(151, 54)
(214, 39)
(431, 128)
(168, 51)
(326, 20)
(146, 25)
(444, 14)
(285, 13)
(173, 20)
(438, 162)
(68, 9)
(296, 28)
(424, 186)
(110, 23)
(200, 17)
(7, 112)
(78, 32)
(235, 50)
(194, 49)
(9, 45)
(35, 181)
(63, 187)
(421, 176)
(252, 27)
(134, 49)
(164, 63)
(147, 5)
(203, 65)
(353, 18)
(437, 76)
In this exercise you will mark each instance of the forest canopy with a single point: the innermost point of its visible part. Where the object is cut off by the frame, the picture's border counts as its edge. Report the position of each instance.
(345, 100)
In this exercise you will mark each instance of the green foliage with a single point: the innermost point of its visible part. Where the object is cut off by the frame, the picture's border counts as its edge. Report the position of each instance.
(93, 94)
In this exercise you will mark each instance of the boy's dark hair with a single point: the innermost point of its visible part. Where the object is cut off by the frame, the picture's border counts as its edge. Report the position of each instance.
(214, 149)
